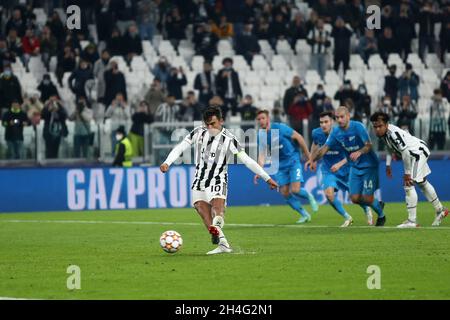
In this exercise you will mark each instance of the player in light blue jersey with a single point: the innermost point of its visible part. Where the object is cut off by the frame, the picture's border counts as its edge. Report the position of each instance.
(280, 140)
(333, 168)
(363, 176)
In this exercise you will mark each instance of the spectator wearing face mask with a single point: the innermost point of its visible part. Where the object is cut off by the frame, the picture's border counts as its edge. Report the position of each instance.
(175, 83)
(10, 89)
(439, 115)
(191, 109)
(228, 86)
(55, 128)
(161, 71)
(132, 43)
(362, 104)
(115, 83)
(205, 83)
(345, 92)
(292, 91)
(123, 151)
(387, 106)
(247, 110)
(155, 96)
(407, 113)
(301, 109)
(317, 101)
(14, 120)
(82, 134)
(47, 88)
(391, 83)
(119, 113)
(100, 66)
(408, 83)
(136, 135)
(78, 79)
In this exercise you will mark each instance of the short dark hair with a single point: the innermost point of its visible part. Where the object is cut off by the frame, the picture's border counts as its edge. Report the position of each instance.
(327, 113)
(227, 60)
(379, 116)
(212, 111)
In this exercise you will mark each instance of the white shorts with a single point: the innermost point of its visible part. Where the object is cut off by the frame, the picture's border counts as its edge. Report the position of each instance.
(218, 191)
(420, 169)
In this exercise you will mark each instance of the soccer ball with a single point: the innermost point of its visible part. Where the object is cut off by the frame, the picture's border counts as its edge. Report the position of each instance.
(171, 241)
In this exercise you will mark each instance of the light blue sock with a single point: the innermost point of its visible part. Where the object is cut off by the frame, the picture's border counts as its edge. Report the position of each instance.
(364, 207)
(302, 194)
(337, 205)
(377, 207)
(296, 205)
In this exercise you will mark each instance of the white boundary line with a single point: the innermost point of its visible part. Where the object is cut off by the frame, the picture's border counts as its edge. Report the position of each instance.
(245, 225)
(10, 298)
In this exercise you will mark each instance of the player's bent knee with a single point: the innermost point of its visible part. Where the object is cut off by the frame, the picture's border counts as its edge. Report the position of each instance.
(285, 191)
(368, 199)
(330, 197)
(295, 188)
(355, 198)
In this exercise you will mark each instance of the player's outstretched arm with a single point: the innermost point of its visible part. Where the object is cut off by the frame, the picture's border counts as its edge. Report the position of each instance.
(261, 161)
(355, 155)
(338, 165)
(301, 142)
(312, 165)
(319, 153)
(174, 155)
(256, 169)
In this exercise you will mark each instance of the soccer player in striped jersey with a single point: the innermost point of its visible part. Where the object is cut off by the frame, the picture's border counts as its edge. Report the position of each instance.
(414, 153)
(214, 146)
(274, 137)
(333, 169)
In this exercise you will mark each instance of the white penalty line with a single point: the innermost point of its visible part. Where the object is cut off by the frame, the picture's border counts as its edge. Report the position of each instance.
(245, 225)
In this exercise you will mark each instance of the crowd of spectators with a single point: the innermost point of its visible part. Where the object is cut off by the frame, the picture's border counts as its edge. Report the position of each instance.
(122, 25)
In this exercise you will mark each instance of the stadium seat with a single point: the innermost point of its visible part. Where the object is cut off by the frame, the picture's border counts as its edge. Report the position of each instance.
(259, 63)
(252, 79)
(312, 77)
(332, 78)
(197, 63)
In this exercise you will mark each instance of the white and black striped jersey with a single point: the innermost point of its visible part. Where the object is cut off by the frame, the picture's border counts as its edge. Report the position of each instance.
(403, 144)
(212, 154)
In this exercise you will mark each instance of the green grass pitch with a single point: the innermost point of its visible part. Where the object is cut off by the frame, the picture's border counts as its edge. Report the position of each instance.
(119, 256)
